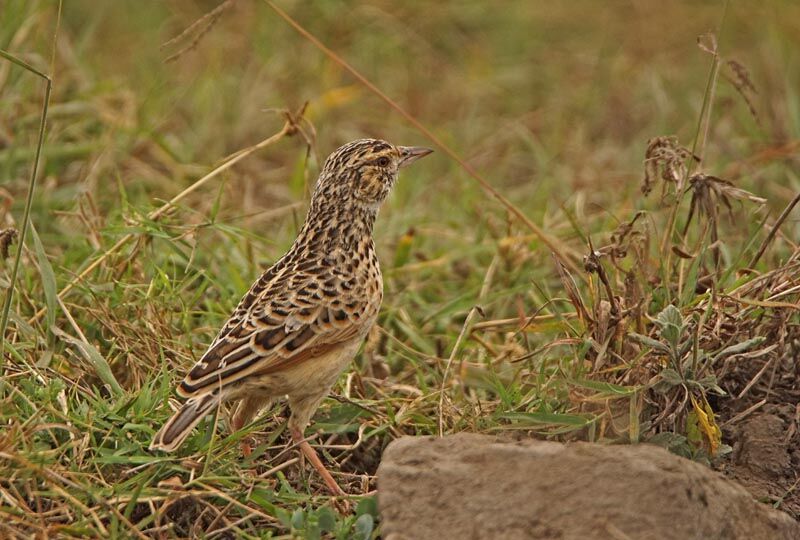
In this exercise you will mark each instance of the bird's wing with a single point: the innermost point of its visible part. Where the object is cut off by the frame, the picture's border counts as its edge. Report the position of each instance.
(283, 320)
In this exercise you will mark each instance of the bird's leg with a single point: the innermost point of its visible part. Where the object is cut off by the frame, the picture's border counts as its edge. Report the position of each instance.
(237, 423)
(302, 409)
(245, 411)
(311, 455)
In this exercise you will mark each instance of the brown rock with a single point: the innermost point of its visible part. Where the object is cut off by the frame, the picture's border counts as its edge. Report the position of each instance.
(474, 487)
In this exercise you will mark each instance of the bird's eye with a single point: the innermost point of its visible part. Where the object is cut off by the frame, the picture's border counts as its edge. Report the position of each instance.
(383, 161)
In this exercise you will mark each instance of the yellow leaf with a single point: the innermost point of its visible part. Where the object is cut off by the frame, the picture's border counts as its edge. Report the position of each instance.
(708, 424)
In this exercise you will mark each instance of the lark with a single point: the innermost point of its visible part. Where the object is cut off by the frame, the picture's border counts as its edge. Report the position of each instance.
(303, 320)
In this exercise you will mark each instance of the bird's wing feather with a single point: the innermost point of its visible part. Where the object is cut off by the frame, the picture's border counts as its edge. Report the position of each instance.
(285, 319)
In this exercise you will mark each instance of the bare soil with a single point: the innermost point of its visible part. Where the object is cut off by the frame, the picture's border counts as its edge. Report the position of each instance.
(766, 442)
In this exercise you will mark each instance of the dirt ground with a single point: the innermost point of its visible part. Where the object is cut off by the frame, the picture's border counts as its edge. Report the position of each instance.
(766, 442)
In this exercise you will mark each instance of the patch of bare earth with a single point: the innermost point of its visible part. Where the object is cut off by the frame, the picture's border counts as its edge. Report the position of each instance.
(762, 428)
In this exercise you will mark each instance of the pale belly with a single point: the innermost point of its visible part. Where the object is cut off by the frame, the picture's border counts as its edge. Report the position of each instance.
(310, 377)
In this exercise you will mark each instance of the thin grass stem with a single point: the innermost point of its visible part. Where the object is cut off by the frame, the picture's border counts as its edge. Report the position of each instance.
(28, 199)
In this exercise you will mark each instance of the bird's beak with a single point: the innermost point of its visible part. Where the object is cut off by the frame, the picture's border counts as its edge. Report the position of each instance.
(410, 154)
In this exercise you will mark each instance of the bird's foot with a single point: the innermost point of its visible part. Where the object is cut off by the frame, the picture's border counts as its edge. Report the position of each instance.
(246, 448)
(343, 505)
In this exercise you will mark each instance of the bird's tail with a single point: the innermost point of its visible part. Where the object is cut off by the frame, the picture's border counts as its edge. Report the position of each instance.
(173, 433)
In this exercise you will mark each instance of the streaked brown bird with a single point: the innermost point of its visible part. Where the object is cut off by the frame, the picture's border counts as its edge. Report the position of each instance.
(302, 322)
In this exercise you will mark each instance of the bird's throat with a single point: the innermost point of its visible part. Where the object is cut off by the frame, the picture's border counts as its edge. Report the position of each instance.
(341, 228)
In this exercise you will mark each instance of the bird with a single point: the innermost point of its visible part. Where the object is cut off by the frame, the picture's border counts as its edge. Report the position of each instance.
(302, 321)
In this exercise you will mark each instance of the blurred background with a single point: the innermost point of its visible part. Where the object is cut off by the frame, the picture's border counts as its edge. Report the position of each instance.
(552, 101)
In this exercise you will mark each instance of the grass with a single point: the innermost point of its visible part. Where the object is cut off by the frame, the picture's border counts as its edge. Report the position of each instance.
(571, 307)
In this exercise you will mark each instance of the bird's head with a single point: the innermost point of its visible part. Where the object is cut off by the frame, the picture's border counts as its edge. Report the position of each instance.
(363, 172)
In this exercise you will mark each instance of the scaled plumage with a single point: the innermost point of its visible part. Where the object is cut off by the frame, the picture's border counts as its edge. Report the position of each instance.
(302, 321)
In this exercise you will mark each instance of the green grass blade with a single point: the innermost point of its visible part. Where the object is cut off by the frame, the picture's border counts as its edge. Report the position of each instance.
(48, 279)
(96, 359)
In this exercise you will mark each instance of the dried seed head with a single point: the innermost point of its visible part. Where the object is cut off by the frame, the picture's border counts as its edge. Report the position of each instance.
(665, 158)
(742, 76)
(7, 236)
(710, 189)
(708, 192)
(743, 84)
